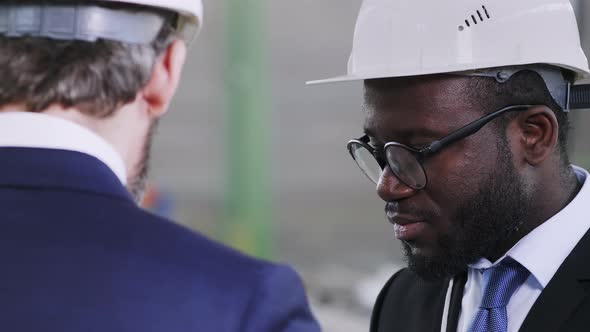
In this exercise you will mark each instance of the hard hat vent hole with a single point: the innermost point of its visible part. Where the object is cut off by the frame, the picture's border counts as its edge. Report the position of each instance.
(480, 15)
(486, 11)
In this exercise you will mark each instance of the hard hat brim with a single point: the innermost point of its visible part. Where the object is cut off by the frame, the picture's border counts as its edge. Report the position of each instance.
(581, 73)
(337, 79)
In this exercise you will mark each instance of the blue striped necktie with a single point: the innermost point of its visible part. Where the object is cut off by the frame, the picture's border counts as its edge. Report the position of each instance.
(499, 283)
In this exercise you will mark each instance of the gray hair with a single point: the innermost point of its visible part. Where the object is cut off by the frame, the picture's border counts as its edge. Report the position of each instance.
(96, 78)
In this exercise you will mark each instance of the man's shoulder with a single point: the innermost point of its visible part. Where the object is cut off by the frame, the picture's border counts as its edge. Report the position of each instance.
(195, 249)
(89, 221)
(271, 294)
(183, 276)
(407, 300)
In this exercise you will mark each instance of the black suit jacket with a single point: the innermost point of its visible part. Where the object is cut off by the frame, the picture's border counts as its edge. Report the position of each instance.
(407, 303)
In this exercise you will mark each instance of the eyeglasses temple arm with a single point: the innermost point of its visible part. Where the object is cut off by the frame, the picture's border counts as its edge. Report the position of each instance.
(468, 130)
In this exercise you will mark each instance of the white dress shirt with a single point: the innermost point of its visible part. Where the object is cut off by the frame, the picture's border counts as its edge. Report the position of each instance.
(542, 252)
(37, 130)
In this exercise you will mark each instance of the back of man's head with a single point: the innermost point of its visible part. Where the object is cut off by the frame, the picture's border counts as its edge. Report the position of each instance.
(94, 77)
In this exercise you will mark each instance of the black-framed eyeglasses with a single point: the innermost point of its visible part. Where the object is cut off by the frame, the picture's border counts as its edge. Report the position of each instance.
(405, 161)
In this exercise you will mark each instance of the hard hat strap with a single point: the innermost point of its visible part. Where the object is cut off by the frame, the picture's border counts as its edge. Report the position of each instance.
(579, 97)
(79, 22)
(557, 85)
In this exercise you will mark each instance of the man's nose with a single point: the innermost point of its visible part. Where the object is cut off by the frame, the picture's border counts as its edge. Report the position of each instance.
(391, 189)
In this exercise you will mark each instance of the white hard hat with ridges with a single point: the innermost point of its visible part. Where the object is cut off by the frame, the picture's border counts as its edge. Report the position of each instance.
(191, 12)
(395, 38)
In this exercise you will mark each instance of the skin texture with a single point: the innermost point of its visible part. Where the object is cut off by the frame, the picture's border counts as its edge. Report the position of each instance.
(130, 129)
(484, 192)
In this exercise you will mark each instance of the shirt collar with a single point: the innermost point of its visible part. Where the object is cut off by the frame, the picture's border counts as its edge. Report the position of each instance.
(544, 249)
(37, 130)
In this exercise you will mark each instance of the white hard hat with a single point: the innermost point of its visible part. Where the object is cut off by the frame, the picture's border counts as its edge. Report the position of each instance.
(395, 38)
(190, 13)
(90, 21)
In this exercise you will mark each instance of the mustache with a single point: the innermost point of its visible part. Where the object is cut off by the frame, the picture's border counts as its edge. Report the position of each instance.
(410, 210)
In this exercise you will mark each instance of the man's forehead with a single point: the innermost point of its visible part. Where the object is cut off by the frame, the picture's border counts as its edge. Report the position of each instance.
(427, 104)
(441, 87)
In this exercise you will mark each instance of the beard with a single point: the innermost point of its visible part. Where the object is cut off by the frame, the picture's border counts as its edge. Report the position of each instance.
(482, 226)
(137, 183)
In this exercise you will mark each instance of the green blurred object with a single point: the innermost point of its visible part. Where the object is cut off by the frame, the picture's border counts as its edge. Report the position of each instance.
(247, 214)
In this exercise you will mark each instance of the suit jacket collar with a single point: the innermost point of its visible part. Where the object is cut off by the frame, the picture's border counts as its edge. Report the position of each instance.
(456, 301)
(58, 169)
(567, 289)
(564, 293)
(42, 131)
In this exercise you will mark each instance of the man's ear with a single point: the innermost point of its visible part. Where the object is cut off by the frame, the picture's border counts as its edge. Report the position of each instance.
(538, 134)
(165, 77)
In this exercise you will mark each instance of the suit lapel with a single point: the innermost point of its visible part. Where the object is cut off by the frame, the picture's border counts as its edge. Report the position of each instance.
(456, 302)
(564, 292)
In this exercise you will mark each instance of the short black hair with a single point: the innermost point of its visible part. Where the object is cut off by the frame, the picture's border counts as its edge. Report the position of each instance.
(526, 87)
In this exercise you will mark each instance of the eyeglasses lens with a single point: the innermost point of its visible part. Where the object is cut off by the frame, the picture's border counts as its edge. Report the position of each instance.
(366, 161)
(405, 166)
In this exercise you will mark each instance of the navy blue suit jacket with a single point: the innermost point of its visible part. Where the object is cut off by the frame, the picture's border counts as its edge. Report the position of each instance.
(78, 255)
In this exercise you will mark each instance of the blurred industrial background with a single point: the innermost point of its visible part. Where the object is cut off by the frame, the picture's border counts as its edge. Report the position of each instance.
(251, 156)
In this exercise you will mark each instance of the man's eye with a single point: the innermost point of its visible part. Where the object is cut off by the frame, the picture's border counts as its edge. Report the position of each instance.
(375, 144)
(420, 146)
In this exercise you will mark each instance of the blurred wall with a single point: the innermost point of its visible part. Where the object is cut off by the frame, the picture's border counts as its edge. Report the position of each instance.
(324, 213)
(581, 120)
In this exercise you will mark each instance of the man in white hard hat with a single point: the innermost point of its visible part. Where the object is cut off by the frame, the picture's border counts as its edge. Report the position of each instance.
(82, 87)
(465, 137)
